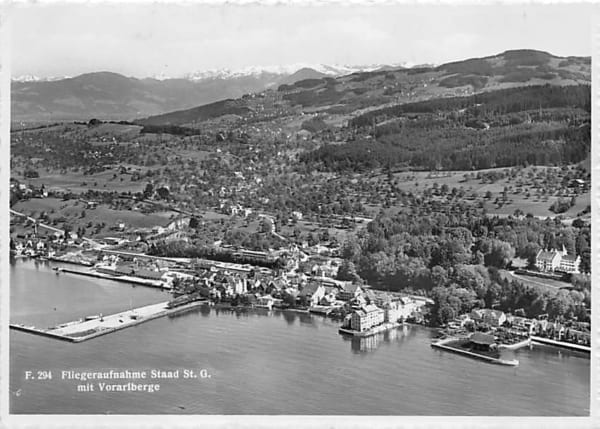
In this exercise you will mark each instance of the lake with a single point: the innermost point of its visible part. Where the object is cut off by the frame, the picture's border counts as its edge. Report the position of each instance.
(263, 362)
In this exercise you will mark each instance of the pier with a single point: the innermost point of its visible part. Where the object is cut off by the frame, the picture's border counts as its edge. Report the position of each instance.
(127, 279)
(525, 342)
(444, 345)
(571, 346)
(82, 330)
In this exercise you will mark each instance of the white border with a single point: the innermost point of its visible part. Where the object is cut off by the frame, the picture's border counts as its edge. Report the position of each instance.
(220, 421)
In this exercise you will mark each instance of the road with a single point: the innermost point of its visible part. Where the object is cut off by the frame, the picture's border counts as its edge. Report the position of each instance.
(51, 228)
(548, 284)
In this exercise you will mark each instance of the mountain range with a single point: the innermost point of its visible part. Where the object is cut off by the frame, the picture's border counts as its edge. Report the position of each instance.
(111, 96)
(353, 94)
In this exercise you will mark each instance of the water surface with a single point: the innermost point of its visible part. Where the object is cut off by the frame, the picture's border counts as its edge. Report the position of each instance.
(267, 362)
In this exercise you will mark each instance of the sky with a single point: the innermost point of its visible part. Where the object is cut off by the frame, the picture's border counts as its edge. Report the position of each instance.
(143, 40)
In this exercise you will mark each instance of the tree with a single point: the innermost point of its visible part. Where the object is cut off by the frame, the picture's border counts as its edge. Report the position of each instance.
(148, 190)
(500, 254)
(347, 272)
(163, 192)
(530, 253)
(351, 249)
(265, 225)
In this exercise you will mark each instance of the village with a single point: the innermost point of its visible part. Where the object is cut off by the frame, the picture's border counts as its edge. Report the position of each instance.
(293, 278)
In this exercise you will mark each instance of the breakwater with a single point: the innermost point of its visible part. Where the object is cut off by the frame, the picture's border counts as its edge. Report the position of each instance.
(83, 330)
(125, 279)
(446, 344)
(571, 346)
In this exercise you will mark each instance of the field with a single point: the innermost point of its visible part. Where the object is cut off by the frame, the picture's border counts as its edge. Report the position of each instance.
(536, 282)
(72, 210)
(78, 182)
(536, 205)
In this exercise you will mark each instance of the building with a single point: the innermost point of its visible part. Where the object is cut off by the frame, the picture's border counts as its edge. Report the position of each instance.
(481, 341)
(312, 293)
(555, 260)
(265, 301)
(570, 264)
(493, 318)
(349, 292)
(391, 312)
(366, 318)
(547, 260)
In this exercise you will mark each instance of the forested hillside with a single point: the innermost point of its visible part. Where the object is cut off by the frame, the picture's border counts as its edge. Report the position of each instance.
(544, 125)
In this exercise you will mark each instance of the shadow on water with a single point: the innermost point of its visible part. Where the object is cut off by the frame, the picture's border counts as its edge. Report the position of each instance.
(373, 342)
(186, 312)
(205, 310)
(306, 319)
(289, 317)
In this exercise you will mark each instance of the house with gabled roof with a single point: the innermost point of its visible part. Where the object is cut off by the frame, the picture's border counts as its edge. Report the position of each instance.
(312, 293)
(491, 317)
(349, 292)
(555, 260)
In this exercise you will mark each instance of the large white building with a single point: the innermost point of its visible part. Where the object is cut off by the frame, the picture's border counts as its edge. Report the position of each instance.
(555, 260)
(366, 317)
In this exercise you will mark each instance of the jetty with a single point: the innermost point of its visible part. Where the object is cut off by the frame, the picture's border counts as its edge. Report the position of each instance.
(66, 260)
(92, 327)
(126, 279)
(448, 344)
(515, 346)
(563, 344)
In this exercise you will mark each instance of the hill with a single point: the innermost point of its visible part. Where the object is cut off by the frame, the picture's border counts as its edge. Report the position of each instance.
(111, 96)
(362, 91)
(302, 74)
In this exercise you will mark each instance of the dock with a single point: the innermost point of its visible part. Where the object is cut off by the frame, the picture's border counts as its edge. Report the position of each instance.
(125, 279)
(525, 342)
(443, 345)
(69, 261)
(83, 330)
(570, 346)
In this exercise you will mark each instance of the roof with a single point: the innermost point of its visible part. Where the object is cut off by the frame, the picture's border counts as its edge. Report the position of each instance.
(572, 258)
(496, 313)
(148, 273)
(124, 269)
(481, 338)
(310, 289)
(370, 308)
(351, 288)
(545, 255)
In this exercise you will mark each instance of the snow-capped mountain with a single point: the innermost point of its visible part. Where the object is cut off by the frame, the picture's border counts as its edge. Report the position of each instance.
(32, 78)
(110, 95)
(250, 71)
(285, 70)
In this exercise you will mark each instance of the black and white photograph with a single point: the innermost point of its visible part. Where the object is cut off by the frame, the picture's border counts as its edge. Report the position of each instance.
(298, 209)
